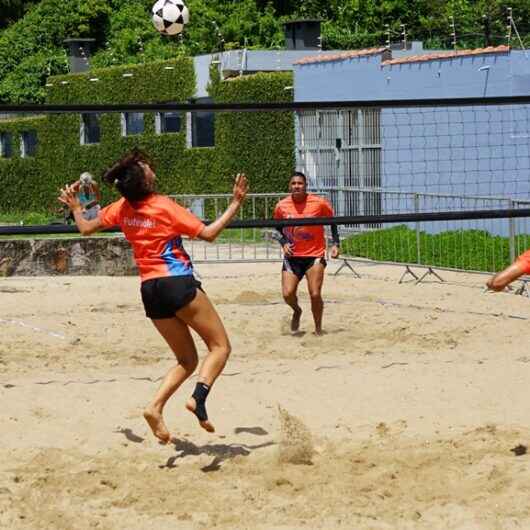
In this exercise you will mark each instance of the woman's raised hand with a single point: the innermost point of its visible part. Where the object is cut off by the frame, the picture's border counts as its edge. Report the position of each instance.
(240, 187)
(69, 197)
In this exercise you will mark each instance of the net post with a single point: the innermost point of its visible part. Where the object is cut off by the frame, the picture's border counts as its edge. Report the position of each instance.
(511, 229)
(416, 210)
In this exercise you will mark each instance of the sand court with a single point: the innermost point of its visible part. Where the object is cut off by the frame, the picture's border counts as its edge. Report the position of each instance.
(411, 412)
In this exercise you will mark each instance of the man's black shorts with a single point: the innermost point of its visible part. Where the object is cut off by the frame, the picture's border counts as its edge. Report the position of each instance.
(299, 266)
(163, 297)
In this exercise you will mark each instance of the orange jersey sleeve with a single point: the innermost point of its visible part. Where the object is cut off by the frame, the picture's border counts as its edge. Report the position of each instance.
(184, 221)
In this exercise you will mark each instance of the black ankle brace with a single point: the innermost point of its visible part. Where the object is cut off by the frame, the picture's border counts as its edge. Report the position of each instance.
(199, 395)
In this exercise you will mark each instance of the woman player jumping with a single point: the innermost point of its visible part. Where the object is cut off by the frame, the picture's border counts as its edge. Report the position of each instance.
(173, 299)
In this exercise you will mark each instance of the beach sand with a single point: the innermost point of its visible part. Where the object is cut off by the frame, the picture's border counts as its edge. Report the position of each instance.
(411, 412)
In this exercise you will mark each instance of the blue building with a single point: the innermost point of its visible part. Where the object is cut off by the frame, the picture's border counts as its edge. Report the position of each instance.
(386, 160)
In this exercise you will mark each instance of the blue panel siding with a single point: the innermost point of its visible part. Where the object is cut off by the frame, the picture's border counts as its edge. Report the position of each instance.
(364, 78)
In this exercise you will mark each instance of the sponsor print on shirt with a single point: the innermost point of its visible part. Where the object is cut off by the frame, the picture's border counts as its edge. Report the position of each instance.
(297, 233)
(138, 223)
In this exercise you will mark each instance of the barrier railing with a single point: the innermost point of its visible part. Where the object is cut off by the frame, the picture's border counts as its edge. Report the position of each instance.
(482, 245)
(238, 245)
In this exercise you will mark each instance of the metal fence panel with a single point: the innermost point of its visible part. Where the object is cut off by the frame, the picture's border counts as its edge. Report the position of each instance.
(472, 245)
(235, 245)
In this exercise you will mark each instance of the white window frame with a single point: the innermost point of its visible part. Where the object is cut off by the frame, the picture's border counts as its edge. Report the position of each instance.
(23, 148)
(124, 131)
(189, 132)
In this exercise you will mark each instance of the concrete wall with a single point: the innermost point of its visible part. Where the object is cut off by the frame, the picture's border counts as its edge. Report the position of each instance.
(73, 257)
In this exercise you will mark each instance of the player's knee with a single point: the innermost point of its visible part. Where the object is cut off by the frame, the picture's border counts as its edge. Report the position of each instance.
(224, 350)
(316, 297)
(189, 364)
(288, 295)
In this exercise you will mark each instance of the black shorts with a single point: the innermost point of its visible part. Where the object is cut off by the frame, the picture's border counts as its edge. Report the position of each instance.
(163, 297)
(299, 266)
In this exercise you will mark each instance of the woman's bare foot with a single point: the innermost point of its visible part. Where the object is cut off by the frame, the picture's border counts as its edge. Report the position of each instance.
(295, 320)
(191, 405)
(156, 422)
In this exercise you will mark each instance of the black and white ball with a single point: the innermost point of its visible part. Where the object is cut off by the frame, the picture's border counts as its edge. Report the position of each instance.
(170, 16)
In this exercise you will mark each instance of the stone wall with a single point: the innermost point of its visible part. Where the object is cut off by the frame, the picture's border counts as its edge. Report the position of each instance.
(104, 256)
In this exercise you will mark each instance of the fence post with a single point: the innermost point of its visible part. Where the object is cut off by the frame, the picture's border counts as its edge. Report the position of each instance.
(511, 228)
(418, 245)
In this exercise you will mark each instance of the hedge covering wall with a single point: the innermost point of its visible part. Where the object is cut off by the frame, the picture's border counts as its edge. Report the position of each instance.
(260, 144)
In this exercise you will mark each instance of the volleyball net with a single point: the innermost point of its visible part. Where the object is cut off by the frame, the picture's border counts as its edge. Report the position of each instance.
(406, 178)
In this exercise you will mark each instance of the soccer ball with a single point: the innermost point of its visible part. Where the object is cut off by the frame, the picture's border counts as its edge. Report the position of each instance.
(170, 16)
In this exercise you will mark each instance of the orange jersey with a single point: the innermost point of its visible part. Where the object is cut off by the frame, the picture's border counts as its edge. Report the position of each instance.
(154, 229)
(306, 241)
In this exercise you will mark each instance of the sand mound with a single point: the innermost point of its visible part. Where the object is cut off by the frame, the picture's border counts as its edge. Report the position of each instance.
(296, 442)
(250, 297)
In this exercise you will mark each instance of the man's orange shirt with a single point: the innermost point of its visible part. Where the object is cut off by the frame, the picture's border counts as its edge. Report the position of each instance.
(154, 229)
(306, 241)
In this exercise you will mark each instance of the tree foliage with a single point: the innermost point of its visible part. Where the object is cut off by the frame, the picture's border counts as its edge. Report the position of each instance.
(13, 10)
(124, 33)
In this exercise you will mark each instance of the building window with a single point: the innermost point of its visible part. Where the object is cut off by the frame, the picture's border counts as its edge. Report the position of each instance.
(201, 127)
(132, 123)
(168, 122)
(90, 130)
(341, 153)
(28, 144)
(6, 145)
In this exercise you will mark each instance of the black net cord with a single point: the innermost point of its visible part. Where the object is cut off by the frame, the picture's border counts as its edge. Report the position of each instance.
(310, 221)
(261, 107)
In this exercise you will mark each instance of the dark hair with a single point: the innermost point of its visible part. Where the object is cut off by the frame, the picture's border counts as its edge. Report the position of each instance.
(128, 176)
(299, 174)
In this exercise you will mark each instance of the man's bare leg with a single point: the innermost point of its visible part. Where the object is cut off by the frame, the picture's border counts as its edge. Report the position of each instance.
(179, 339)
(201, 316)
(315, 280)
(289, 287)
